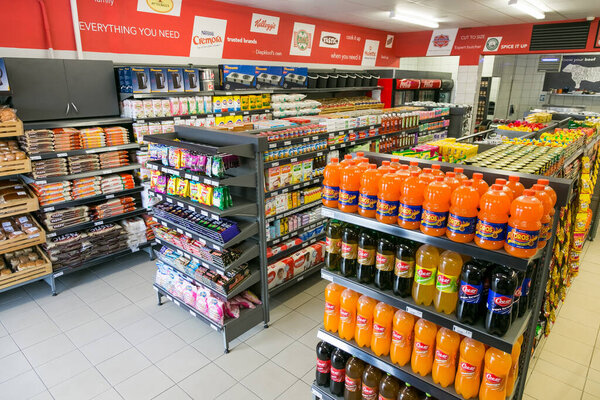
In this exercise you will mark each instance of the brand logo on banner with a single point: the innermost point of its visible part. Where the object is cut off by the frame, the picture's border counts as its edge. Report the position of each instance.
(442, 41)
(389, 42)
(330, 39)
(264, 24)
(370, 53)
(492, 43)
(302, 39)
(208, 37)
(164, 7)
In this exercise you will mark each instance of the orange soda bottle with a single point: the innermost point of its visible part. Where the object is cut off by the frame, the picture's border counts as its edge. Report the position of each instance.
(364, 320)
(360, 158)
(403, 173)
(385, 168)
(469, 368)
(460, 175)
(395, 163)
(502, 181)
(414, 166)
(436, 170)
(516, 186)
(347, 325)
(382, 329)
(495, 374)
(447, 282)
(462, 218)
(490, 230)
(411, 202)
(550, 191)
(402, 337)
(451, 180)
(349, 187)
(435, 207)
(331, 319)
(331, 183)
(446, 351)
(346, 160)
(513, 373)
(427, 260)
(387, 199)
(421, 360)
(524, 225)
(479, 183)
(369, 187)
(544, 196)
(427, 176)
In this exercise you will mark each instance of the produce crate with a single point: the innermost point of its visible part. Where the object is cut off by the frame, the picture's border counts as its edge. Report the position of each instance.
(9, 245)
(22, 206)
(19, 277)
(15, 167)
(11, 128)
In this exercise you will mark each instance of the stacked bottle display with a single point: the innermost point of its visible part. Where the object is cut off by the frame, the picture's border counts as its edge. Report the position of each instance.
(445, 355)
(453, 283)
(503, 215)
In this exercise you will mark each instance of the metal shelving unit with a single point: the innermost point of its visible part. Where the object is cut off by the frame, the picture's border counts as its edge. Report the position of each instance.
(295, 279)
(93, 224)
(98, 172)
(295, 232)
(91, 199)
(55, 154)
(293, 211)
(294, 249)
(76, 123)
(244, 180)
(310, 182)
(204, 115)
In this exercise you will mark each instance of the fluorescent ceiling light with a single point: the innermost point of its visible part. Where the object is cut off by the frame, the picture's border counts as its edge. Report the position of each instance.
(414, 19)
(527, 8)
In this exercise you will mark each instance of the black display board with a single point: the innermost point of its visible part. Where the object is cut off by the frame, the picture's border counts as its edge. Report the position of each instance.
(578, 72)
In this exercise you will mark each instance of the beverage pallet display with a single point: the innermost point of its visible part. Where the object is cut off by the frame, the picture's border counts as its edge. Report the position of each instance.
(518, 334)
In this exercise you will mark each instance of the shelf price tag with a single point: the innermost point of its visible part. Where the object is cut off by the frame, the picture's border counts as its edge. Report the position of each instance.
(176, 303)
(35, 158)
(98, 223)
(58, 274)
(48, 209)
(326, 213)
(414, 312)
(61, 154)
(193, 313)
(205, 213)
(462, 331)
(109, 196)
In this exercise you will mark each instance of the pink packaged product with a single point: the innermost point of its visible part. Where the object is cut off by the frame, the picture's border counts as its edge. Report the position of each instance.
(189, 294)
(148, 109)
(183, 106)
(202, 296)
(216, 310)
(232, 310)
(242, 302)
(248, 295)
(174, 103)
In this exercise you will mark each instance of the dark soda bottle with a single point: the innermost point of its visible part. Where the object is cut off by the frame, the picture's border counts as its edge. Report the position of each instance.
(367, 247)
(525, 298)
(499, 303)
(470, 292)
(349, 251)
(333, 244)
(323, 363)
(404, 270)
(384, 263)
(338, 372)
(370, 383)
(408, 393)
(487, 275)
(516, 306)
(353, 381)
(388, 388)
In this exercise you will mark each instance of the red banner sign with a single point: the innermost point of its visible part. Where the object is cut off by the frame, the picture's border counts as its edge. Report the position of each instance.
(431, 83)
(408, 84)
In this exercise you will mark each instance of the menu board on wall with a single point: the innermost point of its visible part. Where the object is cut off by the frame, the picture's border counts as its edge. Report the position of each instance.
(577, 72)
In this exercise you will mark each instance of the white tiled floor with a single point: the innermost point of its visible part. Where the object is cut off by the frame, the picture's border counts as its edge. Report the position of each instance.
(104, 337)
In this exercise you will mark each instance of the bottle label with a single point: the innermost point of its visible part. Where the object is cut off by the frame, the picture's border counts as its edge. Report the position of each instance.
(338, 375)
(441, 357)
(369, 393)
(384, 263)
(470, 293)
(387, 208)
(404, 269)
(461, 225)
(425, 276)
(545, 231)
(352, 385)
(422, 349)
(366, 257)
(362, 322)
(333, 246)
(330, 309)
(330, 192)
(400, 339)
(526, 286)
(522, 239)
(346, 315)
(367, 202)
(499, 303)
(493, 381)
(434, 219)
(446, 283)
(466, 369)
(348, 197)
(378, 330)
(349, 250)
(490, 231)
(323, 366)
(382, 397)
(409, 213)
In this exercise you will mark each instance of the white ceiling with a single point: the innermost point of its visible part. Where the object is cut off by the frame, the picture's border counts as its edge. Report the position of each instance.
(450, 13)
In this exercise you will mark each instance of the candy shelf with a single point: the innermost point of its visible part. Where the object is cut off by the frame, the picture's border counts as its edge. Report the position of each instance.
(246, 180)
(297, 278)
(59, 154)
(236, 143)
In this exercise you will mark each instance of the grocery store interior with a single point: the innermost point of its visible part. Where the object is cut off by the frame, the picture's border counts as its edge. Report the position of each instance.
(259, 199)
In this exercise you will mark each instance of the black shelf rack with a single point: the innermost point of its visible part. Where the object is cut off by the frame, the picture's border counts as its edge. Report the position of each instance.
(98, 172)
(95, 150)
(76, 123)
(204, 115)
(293, 249)
(91, 199)
(295, 279)
(243, 180)
(100, 222)
(296, 232)
(293, 211)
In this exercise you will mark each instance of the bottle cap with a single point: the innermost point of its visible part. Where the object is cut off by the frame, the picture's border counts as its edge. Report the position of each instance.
(334, 159)
(347, 157)
(404, 167)
(394, 159)
(427, 170)
(372, 166)
(467, 182)
(407, 384)
(451, 174)
(477, 175)
(436, 166)
(459, 170)
(386, 163)
(513, 178)
(501, 181)
(360, 153)
(414, 173)
(414, 163)
(528, 192)
(439, 178)
(537, 187)
(496, 186)
(543, 181)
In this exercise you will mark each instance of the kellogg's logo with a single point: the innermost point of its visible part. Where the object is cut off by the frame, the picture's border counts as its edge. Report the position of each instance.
(264, 24)
(441, 41)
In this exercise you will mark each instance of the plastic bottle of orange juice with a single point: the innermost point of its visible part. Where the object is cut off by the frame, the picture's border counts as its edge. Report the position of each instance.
(411, 202)
(436, 170)
(524, 225)
(402, 337)
(447, 282)
(513, 373)
(490, 230)
(414, 166)
(385, 168)
(382, 329)
(387, 199)
(427, 176)
(435, 207)
(469, 368)
(516, 186)
(479, 183)
(421, 360)
(503, 182)
(460, 175)
(347, 325)
(550, 191)
(451, 180)
(446, 350)
(462, 218)
(369, 186)
(331, 319)
(427, 261)
(364, 320)
(544, 197)
(395, 163)
(346, 160)
(495, 373)
(403, 173)
(360, 158)
(331, 183)
(349, 187)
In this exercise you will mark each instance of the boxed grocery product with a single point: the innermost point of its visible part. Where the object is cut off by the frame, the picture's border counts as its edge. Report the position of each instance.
(140, 77)
(294, 77)
(125, 79)
(175, 79)
(307, 169)
(297, 173)
(158, 80)
(285, 175)
(190, 80)
(268, 77)
(236, 76)
(217, 104)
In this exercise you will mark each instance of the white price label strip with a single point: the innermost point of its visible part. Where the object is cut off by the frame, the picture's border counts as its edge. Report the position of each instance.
(462, 331)
(414, 312)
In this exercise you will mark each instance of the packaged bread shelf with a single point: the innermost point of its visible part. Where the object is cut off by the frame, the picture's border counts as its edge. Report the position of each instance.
(76, 123)
(11, 128)
(93, 224)
(91, 199)
(27, 275)
(248, 180)
(20, 206)
(98, 172)
(15, 167)
(19, 243)
(60, 154)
